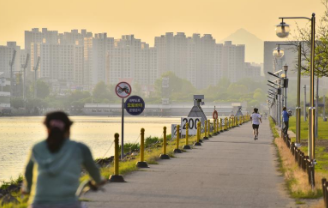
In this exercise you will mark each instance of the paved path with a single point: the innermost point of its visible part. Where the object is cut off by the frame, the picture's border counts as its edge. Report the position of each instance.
(229, 170)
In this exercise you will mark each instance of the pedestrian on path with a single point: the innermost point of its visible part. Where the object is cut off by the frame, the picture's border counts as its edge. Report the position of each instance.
(285, 119)
(54, 165)
(256, 119)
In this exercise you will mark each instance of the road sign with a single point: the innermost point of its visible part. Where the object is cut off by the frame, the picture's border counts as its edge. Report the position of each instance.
(123, 89)
(134, 105)
(174, 131)
(192, 125)
(215, 114)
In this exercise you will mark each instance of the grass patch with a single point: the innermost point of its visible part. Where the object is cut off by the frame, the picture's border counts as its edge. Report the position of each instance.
(296, 180)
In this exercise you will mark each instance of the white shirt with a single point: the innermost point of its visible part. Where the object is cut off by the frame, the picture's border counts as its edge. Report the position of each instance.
(256, 118)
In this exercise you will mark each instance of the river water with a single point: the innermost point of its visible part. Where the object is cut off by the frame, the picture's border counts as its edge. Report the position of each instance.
(18, 134)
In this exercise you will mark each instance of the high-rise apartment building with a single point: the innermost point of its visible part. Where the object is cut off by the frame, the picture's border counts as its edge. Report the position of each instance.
(233, 60)
(6, 54)
(35, 37)
(132, 60)
(74, 37)
(95, 58)
(199, 59)
(253, 71)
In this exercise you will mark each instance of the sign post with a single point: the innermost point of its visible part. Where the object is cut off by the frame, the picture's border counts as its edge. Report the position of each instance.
(123, 90)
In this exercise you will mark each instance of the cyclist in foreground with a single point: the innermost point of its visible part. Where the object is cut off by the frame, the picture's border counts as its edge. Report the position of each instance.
(54, 166)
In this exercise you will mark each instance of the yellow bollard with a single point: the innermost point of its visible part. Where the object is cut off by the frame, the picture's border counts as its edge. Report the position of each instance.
(216, 127)
(198, 134)
(205, 130)
(142, 163)
(187, 137)
(116, 177)
(177, 150)
(209, 128)
(221, 125)
(164, 155)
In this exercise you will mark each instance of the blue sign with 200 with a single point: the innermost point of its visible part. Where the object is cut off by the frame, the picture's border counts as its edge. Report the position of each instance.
(135, 105)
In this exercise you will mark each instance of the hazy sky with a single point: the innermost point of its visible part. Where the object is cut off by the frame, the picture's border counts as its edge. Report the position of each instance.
(149, 18)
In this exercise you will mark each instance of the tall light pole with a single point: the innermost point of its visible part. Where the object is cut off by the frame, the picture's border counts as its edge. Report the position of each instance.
(304, 102)
(11, 64)
(35, 76)
(279, 53)
(24, 66)
(282, 31)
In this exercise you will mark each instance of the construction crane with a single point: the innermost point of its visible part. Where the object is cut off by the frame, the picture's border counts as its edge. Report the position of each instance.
(11, 64)
(35, 70)
(24, 66)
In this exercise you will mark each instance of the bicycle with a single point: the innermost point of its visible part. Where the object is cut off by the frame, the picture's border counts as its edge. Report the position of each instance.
(84, 188)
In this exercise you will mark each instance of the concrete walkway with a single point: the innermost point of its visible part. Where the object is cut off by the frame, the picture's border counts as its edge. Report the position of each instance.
(229, 170)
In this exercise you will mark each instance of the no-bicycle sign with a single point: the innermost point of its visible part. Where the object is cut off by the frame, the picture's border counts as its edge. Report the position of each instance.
(134, 105)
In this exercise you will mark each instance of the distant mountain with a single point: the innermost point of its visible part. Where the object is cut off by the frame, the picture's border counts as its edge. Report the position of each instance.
(253, 45)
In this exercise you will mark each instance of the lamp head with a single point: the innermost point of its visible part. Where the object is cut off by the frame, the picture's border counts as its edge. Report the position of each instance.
(282, 30)
(278, 52)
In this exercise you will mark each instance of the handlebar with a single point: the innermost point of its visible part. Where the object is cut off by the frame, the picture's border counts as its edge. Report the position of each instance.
(87, 186)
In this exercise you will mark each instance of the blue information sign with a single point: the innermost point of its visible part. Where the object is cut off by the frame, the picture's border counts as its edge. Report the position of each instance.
(134, 105)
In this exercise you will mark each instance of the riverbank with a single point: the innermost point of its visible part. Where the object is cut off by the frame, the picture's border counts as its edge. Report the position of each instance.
(19, 134)
(9, 191)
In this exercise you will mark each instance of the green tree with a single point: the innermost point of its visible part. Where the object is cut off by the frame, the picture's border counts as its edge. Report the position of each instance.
(321, 45)
(17, 102)
(102, 93)
(43, 89)
(179, 90)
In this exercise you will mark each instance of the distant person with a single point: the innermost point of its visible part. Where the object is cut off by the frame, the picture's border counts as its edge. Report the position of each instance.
(54, 166)
(256, 119)
(285, 119)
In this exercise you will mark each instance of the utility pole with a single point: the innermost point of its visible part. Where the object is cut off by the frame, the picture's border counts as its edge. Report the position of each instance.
(324, 108)
(317, 109)
(24, 66)
(304, 102)
(35, 77)
(11, 64)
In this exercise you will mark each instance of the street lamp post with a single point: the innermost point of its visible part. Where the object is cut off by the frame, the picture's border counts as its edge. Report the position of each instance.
(285, 80)
(282, 31)
(279, 53)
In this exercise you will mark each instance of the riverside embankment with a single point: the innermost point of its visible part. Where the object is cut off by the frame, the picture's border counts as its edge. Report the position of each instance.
(228, 170)
(18, 134)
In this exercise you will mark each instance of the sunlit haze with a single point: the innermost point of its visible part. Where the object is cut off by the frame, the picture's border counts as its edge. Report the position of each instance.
(149, 18)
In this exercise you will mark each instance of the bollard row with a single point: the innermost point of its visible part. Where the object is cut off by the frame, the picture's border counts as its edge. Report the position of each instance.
(208, 132)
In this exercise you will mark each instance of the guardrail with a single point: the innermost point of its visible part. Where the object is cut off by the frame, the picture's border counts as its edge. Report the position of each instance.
(301, 159)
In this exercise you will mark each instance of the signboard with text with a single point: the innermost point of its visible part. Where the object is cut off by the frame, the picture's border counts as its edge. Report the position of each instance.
(134, 105)
(192, 125)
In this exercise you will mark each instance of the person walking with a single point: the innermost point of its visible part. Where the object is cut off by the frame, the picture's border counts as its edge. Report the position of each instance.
(54, 166)
(285, 119)
(256, 119)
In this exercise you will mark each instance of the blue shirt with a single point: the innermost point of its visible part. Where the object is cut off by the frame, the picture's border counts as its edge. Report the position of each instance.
(285, 116)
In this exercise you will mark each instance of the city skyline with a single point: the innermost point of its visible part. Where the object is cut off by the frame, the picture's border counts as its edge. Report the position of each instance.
(145, 19)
